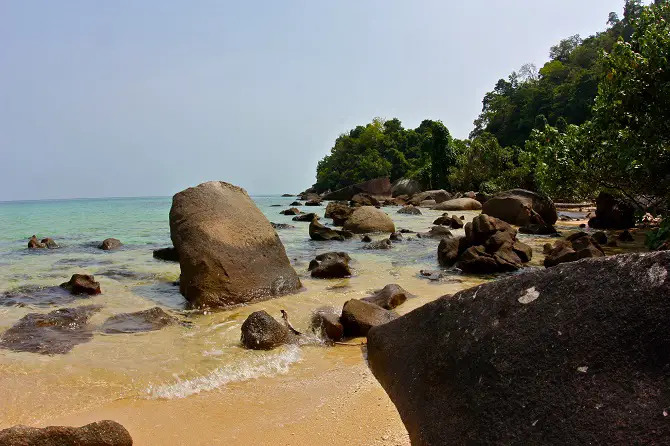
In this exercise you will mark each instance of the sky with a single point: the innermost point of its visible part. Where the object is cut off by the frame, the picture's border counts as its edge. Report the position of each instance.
(146, 98)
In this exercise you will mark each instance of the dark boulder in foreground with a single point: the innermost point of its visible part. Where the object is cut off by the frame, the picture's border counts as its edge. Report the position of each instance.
(577, 246)
(229, 253)
(572, 355)
(612, 213)
(56, 332)
(168, 254)
(319, 232)
(110, 244)
(140, 321)
(358, 317)
(389, 297)
(521, 207)
(100, 433)
(326, 323)
(82, 284)
(330, 265)
(260, 331)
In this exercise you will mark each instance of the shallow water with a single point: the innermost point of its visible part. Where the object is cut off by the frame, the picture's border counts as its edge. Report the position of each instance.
(181, 360)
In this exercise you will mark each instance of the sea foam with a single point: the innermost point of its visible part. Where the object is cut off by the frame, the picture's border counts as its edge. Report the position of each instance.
(257, 366)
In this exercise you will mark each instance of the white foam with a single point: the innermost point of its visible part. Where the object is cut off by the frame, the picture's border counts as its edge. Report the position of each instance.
(256, 366)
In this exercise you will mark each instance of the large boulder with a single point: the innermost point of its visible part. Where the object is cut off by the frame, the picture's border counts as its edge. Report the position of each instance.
(435, 195)
(612, 213)
(260, 331)
(389, 297)
(459, 204)
(110, 244)
(450, 250)
(405, 186)
(379, 187)
(521, 207)
(577, 246)
(358, 317)
(339, 211)
(369, 219)
(572, 355)
(319, 232)
(330, 265)
(100, 433)
(228, 251)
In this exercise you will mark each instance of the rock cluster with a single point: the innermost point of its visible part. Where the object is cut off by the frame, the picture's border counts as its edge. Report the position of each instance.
(577, 246)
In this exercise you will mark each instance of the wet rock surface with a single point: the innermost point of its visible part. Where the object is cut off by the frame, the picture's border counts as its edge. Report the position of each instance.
(330, 265)
(319, 232)
(110, 244)
(140, 321)
(291, 211)
(168, 254)
(389, 297)
(282, 226)
(306, 217)
(100, 433)
(260, 331)
(38, 296)
(82, 284)
(379, 244)
(359, 316)
(339, 211)
(57, 332)
(409, 210)
(577, 246)
(326, 322)
(575, 354)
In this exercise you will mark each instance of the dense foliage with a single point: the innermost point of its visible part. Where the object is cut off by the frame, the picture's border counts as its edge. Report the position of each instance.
(594, 117)
(385, 148)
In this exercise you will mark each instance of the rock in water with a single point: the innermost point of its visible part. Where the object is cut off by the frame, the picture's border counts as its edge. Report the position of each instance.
(306, 217)
(319, 232)
(359, 316)
(82, 284)
(438, 196)
(339, 211)
(50, 243)
(262, 332)
(327, 323)
(577, 246)
(34, 243)
(140, 321)
(409, 210)
(100, 433)
(56, 332)
(521, 207)
(459, 204)
(369, 219)
(167, 254)
(228, 251)
(389, 297)
(110, 244)
(330, 265)
(379, 244)
(291, 211)
(572, 355)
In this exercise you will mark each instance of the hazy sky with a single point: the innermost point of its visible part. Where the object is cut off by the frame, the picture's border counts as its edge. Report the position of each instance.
(135, 98)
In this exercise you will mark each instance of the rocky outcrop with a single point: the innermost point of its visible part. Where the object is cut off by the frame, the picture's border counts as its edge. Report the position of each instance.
(521, 207)
(291, 211)
(389, 297)
(319, 232)
(369, 219)
(140, 321)
(326, 323)
(228, 252)
(82, 284)
(358, 317)
(379, 187)
(287, 195)
(296, 203)
(100, 433)
(577, 246)
(330, 265)
(110, 244)
(53, 333)
(459, 204)
(405, 186)
(306, 217)
(612, 213)
(436, 195)
(260, 331)
(571, 355)
(409, 210)
(339, 211)
(168, 254)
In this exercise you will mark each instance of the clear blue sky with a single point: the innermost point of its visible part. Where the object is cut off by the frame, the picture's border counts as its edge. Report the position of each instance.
(135, 98)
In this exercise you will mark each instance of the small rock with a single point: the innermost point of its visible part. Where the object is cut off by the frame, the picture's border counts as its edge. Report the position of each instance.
(366, 239)
(359, 316)
(82, 284)
(409, 210)
(140, 321)
(49, 243)
(306, 217)
(291, 211)
(34, 243)
(330, 265)
(389, 297)
(327, 323)
(110, 244)
(395, 237)
(260, 331)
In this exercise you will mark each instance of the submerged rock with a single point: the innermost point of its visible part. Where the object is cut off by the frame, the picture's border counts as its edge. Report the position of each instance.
(37, 296)
(140, 321)
(168, 254)
(319, 232)
(260, 331)
(326, 322)
(369, 219)
(282, 226)
(459, 204)
(100, 433)
(359, 316)
(409, 210)
(330, 265)
(521, 207)
(82, 284)
(56, 332)
(389, 297)
(555, 356)
(110, 244)
(228, 252)
(50, 243)
(379, 244)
